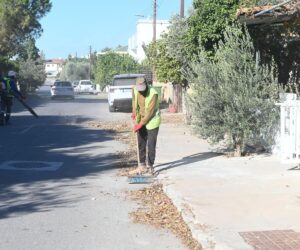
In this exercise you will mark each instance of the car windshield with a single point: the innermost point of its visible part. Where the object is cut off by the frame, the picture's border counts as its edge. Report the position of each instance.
(86, 83)
(63, 84)
(124, 81)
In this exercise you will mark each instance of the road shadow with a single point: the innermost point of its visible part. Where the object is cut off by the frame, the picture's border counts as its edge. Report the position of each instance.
(35, 100)
(77, 100)
(32, 100)
(84, 152)
(185, 161)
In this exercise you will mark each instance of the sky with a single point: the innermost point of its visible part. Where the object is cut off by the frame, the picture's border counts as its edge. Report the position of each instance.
(73, 25)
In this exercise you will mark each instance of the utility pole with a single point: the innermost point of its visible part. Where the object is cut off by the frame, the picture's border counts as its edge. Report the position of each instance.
(154, 21)
(154, 37)
(181, 8)
(90, 62)
(177, 88)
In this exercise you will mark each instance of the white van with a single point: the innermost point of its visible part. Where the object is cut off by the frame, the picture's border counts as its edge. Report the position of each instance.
(120, 91)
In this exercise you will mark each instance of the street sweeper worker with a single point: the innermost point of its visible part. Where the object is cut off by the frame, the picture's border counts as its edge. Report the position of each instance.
(2, 85)
(10, 87)
(146, 114)
(2, 112)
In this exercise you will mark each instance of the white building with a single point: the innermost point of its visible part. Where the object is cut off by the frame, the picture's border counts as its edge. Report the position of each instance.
(144, 36)
(53, 67)
(115, 51)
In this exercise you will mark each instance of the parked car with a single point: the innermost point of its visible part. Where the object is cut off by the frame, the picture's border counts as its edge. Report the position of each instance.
(120, 91)
(75, 84)
(62, 89)
(85, 86)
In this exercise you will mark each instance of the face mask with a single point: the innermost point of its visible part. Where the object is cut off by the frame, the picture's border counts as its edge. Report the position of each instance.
(144, 93)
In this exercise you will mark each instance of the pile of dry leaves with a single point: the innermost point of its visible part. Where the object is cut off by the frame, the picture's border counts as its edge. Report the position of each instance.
(158, 210)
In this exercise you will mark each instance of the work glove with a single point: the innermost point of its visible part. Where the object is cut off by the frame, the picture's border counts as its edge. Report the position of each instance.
(133, 116)
(137, 127)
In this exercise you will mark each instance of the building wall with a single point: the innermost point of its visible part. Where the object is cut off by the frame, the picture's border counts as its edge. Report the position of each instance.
(52, 68)
(144, 35)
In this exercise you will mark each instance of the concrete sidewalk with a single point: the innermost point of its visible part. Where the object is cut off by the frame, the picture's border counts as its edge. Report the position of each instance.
(221, 197)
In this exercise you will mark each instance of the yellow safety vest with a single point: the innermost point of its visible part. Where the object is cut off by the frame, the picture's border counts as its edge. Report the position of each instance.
(156, 119)
(8, 91)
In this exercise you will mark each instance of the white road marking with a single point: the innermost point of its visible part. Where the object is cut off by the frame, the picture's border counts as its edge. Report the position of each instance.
(25, 165)
(27, 129)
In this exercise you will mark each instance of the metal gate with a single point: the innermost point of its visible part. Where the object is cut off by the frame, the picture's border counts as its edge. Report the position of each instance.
(290, 130)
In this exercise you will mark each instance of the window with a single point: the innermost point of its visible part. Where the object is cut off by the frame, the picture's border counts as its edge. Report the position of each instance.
(124, 81)
(63, 84)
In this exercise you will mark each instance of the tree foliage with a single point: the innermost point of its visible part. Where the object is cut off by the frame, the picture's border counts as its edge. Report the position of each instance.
(31, 73)
(28, 50)
(167, 69)
(110, 64)
(176, 41)
(188, 36)
(19, 21)
(207, 23)
(233, 95)
(75, 70)
(282, 45)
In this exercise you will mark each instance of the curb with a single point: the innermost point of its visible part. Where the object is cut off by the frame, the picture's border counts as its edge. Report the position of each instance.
(205, 239)
(207, 242)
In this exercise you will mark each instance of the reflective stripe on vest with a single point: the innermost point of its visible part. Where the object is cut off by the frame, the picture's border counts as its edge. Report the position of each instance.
(8, 91)
(156, 119)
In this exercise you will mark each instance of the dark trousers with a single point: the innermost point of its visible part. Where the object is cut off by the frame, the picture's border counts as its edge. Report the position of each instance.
(147, 142)
(6, 104)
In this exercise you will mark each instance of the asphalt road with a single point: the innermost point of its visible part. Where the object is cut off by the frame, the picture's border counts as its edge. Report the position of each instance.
(58, 185)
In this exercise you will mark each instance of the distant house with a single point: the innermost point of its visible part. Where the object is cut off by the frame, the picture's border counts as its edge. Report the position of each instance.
(53, 67)
(144, 36)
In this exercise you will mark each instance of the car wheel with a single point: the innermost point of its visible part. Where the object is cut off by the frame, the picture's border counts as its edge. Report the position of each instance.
(111, 108)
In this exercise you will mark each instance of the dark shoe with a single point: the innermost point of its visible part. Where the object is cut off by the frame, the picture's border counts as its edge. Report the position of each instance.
(2, 119)
(151, 170)
(7, 120)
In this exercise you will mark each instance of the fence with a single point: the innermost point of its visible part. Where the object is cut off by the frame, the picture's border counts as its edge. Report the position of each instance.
(290, 129)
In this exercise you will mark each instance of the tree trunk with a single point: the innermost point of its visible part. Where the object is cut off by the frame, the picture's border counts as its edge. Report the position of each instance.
(177, 97)
(237, 151)
(237, 146)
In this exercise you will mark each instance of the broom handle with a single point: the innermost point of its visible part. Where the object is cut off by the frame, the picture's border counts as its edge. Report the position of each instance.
(137, 147)
(137, 144)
